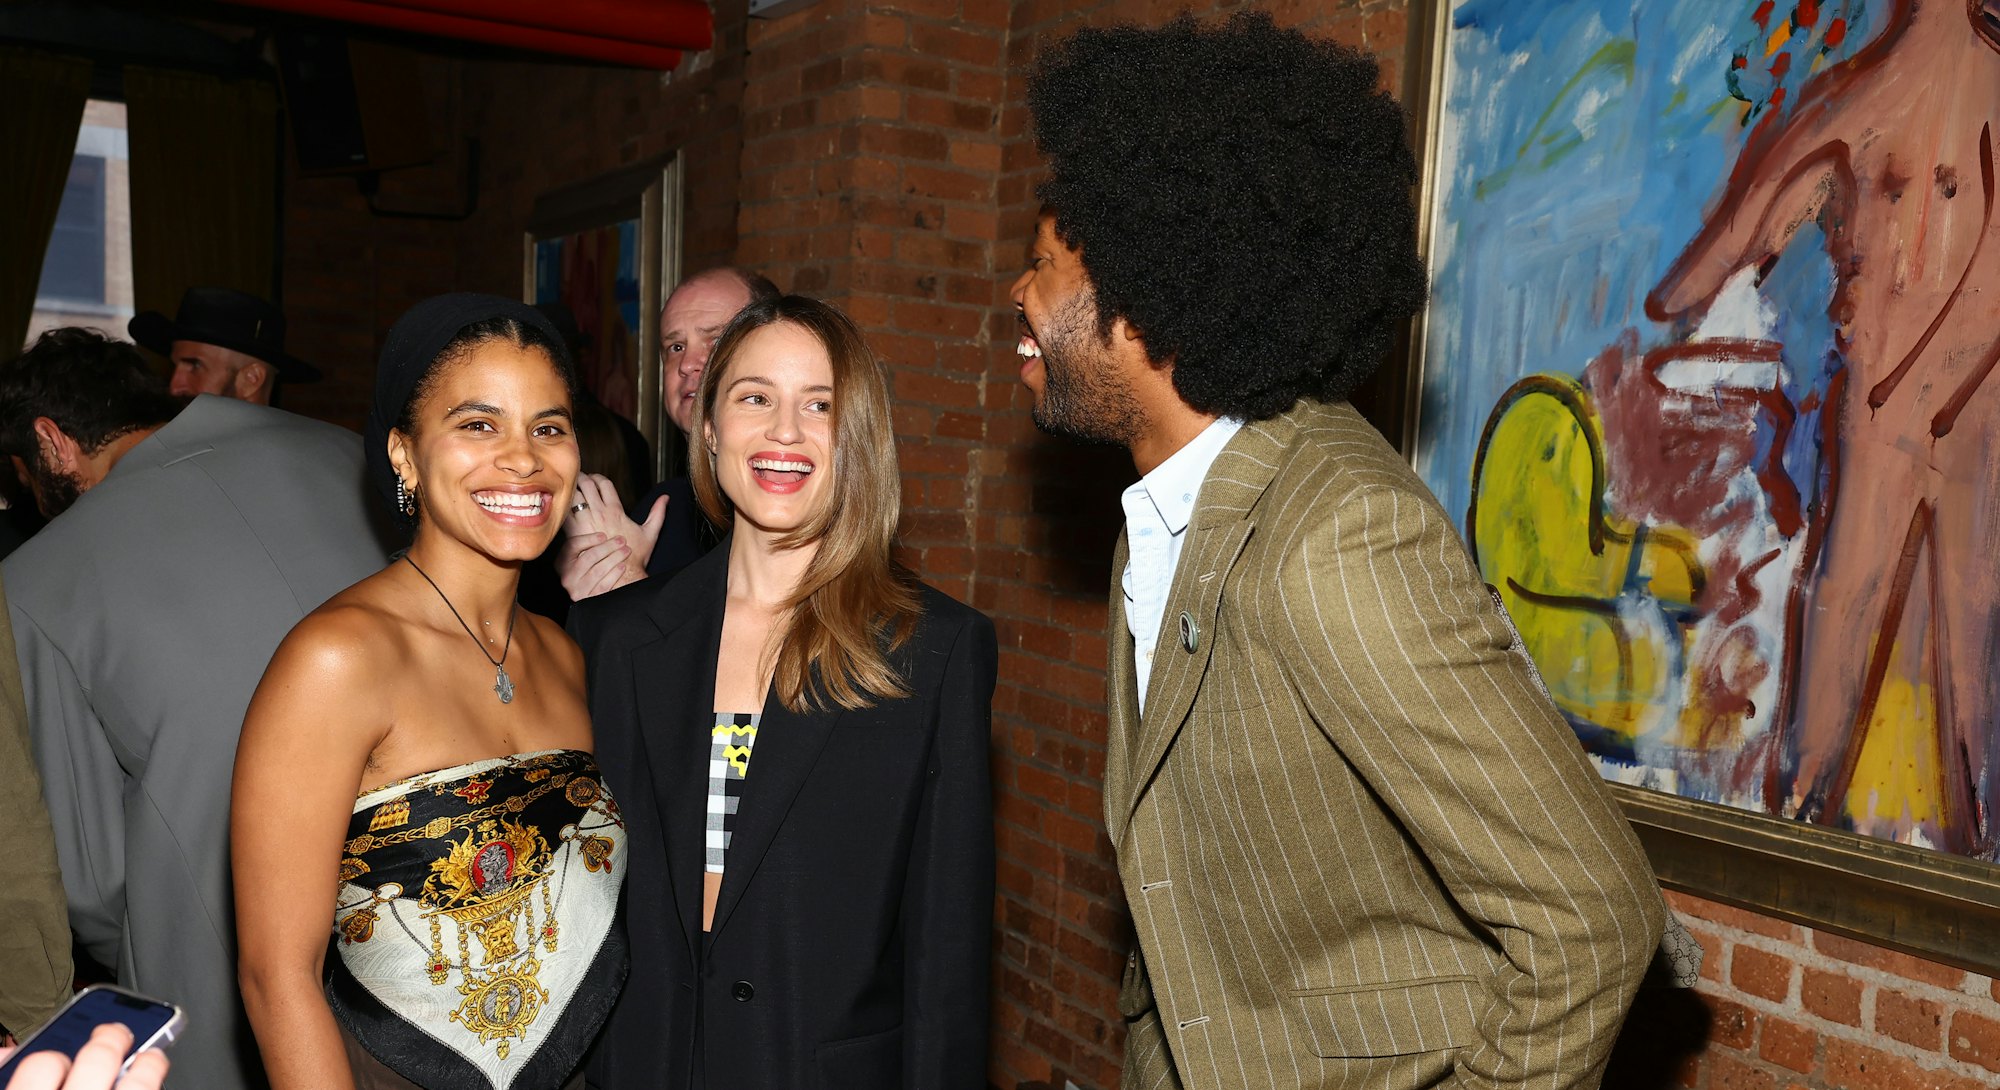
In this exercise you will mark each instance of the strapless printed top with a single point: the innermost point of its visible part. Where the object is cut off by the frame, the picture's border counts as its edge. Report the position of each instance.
(477, 941)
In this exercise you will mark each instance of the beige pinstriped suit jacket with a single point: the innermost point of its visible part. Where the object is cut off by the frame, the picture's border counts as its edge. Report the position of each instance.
(1361, 847)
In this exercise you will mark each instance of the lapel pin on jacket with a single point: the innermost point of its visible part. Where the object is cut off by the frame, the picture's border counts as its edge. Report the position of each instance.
(1190, 632)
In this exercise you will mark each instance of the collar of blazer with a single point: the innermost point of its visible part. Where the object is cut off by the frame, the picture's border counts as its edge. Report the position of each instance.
(673, 681)
(195, 430)
(1224, 518)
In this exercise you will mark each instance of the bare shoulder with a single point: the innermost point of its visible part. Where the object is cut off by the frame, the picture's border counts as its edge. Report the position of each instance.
(350, 638)
(324, 689)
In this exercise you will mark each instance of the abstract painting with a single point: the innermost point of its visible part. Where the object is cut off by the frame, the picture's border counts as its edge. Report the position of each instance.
(596, 274)
(1708, 377)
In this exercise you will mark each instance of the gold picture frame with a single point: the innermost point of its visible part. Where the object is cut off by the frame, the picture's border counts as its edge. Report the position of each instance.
(632, 218)
(1930, 904)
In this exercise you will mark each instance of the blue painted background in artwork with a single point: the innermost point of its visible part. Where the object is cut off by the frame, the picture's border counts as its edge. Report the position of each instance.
(548, 270)
(627, 285)
(1583, 142)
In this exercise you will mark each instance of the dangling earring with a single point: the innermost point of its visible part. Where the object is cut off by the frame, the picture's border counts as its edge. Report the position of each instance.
(406, 498)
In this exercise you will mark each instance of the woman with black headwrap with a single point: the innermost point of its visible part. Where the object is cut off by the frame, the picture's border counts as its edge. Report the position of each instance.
(427, 864)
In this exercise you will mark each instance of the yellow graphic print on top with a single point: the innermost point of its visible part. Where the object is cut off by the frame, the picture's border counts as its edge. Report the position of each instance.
(730, 742)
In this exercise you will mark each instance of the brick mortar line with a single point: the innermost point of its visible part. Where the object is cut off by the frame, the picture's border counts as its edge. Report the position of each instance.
(955, 65)
(1056, 955)
(1881, 1042)
(1050, 693)
(1047, 841)
(930, 20)
(1047, 981)
(1069, 778)
(948, 96)
(1975, 986)
(1037, 763)
(898, 122)
(1033, 1014)
(1065, 810)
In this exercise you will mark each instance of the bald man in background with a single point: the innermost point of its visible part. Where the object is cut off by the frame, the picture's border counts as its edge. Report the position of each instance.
(604, 547)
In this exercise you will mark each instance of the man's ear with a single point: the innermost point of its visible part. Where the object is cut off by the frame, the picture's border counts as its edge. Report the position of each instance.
(59, 451)
(250, 379)
(1127, 337)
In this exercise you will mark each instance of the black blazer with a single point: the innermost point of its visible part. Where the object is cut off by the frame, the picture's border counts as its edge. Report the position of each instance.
(853, 928)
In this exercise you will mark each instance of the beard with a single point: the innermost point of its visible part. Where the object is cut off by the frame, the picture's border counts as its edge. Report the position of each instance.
(1082, 397)
(54, 490)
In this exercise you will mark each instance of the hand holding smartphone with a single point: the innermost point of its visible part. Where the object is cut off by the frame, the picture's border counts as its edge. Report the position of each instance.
(97, 1040)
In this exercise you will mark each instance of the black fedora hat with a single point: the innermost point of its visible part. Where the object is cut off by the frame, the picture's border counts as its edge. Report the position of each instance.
(226, 318)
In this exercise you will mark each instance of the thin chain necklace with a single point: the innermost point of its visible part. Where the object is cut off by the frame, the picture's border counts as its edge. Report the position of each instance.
(503, 686)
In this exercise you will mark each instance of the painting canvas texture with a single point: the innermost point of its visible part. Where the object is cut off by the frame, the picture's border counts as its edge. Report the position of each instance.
(1708, 378)
(596, 274)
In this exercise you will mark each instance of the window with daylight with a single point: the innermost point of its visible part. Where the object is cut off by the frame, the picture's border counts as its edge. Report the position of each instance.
(73, 267)
(87, 269)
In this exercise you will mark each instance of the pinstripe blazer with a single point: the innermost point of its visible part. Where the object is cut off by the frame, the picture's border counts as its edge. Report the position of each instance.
(1361, 847)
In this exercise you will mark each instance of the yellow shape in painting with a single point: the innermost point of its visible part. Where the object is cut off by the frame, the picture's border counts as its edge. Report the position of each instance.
(1778, 38)
(1896, 778)
(1560, 564)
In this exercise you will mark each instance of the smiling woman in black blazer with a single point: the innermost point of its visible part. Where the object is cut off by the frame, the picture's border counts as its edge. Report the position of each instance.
(798, 733)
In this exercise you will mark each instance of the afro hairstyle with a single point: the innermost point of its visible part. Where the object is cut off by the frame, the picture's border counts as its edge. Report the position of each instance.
(1241, 195)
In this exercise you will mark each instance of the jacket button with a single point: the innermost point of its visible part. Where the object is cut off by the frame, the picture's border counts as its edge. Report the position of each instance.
(742, 991)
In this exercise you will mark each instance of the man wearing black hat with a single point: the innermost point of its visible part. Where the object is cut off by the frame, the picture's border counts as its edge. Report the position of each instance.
(223, 341)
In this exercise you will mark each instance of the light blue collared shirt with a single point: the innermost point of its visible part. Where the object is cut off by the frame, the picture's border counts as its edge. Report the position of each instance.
(1157, 509)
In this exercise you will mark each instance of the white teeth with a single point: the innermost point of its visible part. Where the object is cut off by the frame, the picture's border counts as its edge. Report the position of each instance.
(510, 503)
(1028, 347)
(781, 465)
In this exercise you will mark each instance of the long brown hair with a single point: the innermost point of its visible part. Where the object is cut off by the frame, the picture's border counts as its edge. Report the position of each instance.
(854, 604)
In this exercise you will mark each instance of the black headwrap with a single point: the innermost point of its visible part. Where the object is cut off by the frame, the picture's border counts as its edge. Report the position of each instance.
(414, 343)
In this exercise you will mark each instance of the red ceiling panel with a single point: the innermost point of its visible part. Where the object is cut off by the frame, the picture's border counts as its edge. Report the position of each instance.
(641, 33)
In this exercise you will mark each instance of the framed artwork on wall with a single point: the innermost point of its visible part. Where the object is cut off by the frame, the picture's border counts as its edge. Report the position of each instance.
(1707, 377)
(609, 249)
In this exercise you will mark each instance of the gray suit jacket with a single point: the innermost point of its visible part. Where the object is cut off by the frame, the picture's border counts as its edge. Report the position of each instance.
(1361, 848)
(144, 617)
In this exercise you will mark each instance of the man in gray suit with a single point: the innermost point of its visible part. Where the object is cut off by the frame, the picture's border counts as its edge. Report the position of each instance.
(182, 550)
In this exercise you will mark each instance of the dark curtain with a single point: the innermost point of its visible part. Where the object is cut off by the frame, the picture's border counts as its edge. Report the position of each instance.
(41, 107)
(204, 184)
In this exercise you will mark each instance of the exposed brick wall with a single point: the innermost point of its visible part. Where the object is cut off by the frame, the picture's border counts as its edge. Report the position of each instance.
(869, 166)
(1791, 1008)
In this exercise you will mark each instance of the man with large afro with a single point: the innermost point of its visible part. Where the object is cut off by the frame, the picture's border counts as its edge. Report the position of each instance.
(1360, 845)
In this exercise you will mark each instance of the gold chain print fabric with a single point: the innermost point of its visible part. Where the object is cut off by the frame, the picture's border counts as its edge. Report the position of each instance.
(475, 907)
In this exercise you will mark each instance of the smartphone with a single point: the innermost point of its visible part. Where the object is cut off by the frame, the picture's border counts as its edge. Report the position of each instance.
(153, 1024)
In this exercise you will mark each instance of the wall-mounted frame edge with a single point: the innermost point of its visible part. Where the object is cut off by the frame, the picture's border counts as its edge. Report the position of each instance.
(1932, 905)
(1423, 102)
(1941, 907)
(652, 192)
(669, 449)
